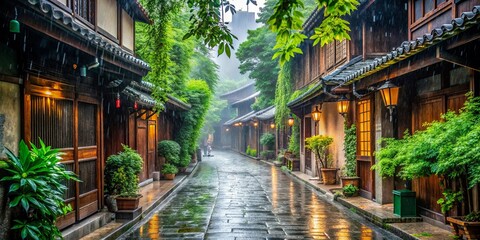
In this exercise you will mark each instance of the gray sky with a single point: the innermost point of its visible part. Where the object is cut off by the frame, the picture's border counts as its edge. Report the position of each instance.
(242, 5)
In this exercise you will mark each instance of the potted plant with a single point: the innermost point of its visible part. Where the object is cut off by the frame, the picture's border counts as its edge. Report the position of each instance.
(319, 145)
(169, 171)
(448, 149)
(349, 175)
(121, 178)
(350, 190)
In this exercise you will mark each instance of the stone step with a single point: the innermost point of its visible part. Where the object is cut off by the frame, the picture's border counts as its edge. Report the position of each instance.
(88, 225)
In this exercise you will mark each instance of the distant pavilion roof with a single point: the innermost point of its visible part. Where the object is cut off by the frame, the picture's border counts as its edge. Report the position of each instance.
(249, 98)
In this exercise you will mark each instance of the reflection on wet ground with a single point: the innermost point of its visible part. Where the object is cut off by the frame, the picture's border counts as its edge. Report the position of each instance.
(233, 197)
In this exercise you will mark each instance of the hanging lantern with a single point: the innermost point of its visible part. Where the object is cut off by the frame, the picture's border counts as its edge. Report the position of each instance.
(14, 26)
(83, 71)
(389, 93)
(272, 125)
(316, 114)
(291, 121)
(255, 123)
(117, 101)
(342, 105)
(135, 105)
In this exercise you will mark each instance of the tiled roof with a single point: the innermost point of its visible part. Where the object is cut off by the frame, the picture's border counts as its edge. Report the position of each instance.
(269, 114)
(65, 19)
(409, 48)
(142, 98)
(356, 69)
(251, 97)
(237, 90)
(264, 114)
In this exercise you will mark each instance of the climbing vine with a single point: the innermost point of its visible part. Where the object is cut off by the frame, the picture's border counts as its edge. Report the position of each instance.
(282, 95)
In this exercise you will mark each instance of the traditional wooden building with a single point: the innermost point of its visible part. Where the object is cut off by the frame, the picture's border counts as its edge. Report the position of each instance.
(222, 137)
(58, 57)
(375, 26)
(434, 61)
(131, 119)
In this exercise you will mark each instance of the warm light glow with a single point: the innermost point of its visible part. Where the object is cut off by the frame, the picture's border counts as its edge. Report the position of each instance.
(389, 93)
(240, 124)
(342, 105)
(272, 125)
(316, 114)
(291, 121)
(255, 123)
(48, 93)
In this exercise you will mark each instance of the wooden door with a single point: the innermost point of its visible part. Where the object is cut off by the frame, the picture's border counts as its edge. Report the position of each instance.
(365, 142)
(88, 160)
(141, 143)
(151, 151)
(72, 126)
(428, 188)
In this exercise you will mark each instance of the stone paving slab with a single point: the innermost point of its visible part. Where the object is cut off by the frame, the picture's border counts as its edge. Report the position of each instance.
(420, 230)
(153, 194)
(382, 215)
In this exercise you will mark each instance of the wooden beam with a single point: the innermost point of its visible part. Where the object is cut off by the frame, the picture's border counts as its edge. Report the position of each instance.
(446, 56)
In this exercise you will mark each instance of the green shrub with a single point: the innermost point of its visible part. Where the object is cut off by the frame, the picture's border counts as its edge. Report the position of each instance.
(170, 150)
(36, 182)
(447, 148)
(251, 151)
(349, 190)
(268, 140)
(121, 173)
(169, 169)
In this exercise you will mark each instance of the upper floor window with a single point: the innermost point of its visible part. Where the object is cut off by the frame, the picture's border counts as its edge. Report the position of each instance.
(423, 7)
(85, 9)
(335, 53)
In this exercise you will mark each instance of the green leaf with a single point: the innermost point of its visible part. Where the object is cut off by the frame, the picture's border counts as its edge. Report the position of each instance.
(227, 50)
(25, 204)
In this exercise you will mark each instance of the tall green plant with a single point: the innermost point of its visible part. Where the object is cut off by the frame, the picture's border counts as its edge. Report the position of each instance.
(350, 150)
(282, 93)
(447, 148)
(191, 121)
(36, 183)
(319, 145)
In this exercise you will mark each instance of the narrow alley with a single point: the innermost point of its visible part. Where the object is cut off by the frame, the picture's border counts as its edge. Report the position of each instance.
(234, 197)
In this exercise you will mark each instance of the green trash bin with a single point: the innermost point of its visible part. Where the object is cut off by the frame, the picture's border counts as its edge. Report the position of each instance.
(404, 203)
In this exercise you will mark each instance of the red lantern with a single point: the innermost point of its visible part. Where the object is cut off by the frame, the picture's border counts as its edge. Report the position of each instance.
(117, 101)
(135, 105)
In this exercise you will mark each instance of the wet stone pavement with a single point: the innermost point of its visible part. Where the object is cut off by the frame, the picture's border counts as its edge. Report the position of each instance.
(234, 197)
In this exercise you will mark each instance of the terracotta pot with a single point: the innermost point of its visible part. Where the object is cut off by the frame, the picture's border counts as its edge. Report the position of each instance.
(169, 176)
(128, 203)
(355, 181)
(329, 176)
(471, 230)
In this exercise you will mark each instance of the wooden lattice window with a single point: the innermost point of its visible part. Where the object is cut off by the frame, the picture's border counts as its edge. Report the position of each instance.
(340, 50)
(336, 52)
(85, 9)
(364, 141)
(423, 7)
(330, 58)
